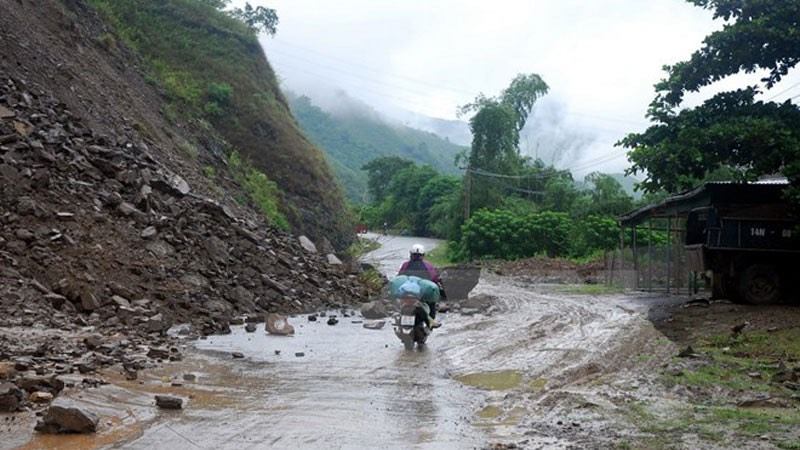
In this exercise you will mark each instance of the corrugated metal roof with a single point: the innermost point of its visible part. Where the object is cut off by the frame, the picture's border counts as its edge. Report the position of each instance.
(764, 191)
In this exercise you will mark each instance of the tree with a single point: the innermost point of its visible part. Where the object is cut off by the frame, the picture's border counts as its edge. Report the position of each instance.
(258, 19)
(607, 195)
(380, 173)
(731, 131)
(763, 35)
(560, 194)
(495, 128)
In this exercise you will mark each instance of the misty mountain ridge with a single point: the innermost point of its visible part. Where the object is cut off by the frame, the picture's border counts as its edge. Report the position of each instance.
(548, 135)
(352, 133)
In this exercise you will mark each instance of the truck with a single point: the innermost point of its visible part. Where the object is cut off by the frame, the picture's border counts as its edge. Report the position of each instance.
(742, 238)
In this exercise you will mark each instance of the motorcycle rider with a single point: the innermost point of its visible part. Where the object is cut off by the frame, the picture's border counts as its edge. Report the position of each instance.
(416, 266)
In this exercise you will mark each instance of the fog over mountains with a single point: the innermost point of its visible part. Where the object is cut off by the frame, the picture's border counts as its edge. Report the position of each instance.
(552, 133)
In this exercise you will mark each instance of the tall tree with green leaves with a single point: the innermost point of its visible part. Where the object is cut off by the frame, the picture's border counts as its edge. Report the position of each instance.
(495, 127)
(380, 172)
(258, 18)
(732, 130)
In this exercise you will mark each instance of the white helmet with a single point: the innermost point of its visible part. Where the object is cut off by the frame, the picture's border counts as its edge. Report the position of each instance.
(417, 249)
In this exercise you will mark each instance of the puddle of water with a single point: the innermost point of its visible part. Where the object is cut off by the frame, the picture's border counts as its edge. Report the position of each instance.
(538, 384)
(122, 414)
(495, 416)
(489, 412)
(492, 381)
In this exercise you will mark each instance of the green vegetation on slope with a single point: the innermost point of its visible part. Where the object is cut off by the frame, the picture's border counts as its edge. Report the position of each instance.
(214, 72)
(352, 140)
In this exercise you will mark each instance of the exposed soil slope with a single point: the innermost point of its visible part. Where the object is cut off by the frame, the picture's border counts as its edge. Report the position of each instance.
(103, 222)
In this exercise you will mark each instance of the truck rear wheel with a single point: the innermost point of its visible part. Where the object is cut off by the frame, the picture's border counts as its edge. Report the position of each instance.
(760, 284)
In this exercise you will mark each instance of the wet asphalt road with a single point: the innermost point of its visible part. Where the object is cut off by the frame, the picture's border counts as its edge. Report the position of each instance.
(393, 251)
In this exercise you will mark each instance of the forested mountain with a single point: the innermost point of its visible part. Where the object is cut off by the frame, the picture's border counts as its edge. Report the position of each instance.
(359, 135)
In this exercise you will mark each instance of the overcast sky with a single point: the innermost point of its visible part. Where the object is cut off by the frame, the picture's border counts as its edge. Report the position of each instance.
(600, 58)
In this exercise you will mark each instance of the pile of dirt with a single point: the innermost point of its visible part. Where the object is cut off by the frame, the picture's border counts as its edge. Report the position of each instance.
(687, 322)
(549, 270)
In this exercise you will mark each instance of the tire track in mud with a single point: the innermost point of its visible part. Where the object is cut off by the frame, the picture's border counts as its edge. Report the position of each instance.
(572, 351)
(540, 333)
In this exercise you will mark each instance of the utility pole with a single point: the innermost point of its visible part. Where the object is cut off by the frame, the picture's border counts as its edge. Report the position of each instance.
(467, 193)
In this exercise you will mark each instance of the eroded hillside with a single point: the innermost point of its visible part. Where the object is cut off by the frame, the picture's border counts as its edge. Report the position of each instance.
(104, 220)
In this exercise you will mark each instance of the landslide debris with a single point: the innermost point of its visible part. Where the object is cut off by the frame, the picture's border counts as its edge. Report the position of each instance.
(102, 242)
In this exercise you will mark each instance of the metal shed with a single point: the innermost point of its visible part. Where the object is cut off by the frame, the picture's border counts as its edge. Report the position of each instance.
(654, 237)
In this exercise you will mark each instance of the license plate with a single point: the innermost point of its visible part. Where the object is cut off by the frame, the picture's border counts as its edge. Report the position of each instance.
(407, 321)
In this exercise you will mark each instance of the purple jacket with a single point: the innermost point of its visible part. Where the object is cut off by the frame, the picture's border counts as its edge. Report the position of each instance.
(419, 268)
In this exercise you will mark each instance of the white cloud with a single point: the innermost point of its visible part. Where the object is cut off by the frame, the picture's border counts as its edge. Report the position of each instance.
(600, 58)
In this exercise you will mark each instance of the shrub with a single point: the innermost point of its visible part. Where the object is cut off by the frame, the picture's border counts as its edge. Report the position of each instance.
(502, 234)
(263, 191)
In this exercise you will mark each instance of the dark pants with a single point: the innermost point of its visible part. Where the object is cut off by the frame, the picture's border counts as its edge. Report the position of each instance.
(432, 306)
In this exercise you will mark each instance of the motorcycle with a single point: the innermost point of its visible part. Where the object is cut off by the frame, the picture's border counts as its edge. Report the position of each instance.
(411, 325)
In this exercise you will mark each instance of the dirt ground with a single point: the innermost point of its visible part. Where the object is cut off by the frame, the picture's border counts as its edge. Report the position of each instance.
(680, 318)
(516, 364)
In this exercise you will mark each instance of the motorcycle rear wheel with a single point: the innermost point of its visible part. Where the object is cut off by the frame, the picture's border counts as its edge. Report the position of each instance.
(420, 335)
(408, 342)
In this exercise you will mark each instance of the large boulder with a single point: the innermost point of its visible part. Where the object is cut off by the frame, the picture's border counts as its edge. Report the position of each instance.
(64, 416)
(373, 310)
(277, 324)
(10, 397)
(49, 383)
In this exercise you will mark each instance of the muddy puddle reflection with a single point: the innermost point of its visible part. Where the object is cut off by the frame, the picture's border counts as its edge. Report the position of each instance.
(339, 386)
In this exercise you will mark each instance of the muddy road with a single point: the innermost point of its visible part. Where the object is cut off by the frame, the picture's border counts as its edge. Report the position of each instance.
(517, 365)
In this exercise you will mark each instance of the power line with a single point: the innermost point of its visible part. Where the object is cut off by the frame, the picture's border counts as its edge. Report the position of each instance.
(377, 71)
(786, 90)
(532, 176)
(450, 89)
(597, 162)
(362, 88)
(353, 74)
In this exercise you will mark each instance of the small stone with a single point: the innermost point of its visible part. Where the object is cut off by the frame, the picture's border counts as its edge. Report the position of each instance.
(6, 113)
(126, 209)
(189, 377)
(250, 328)
(374, 324)
(7, 370)
(299, 354)
(148, 232)
(306, 243)
(237, 355)
(41, 397)
(169, 402)
(158, 353)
